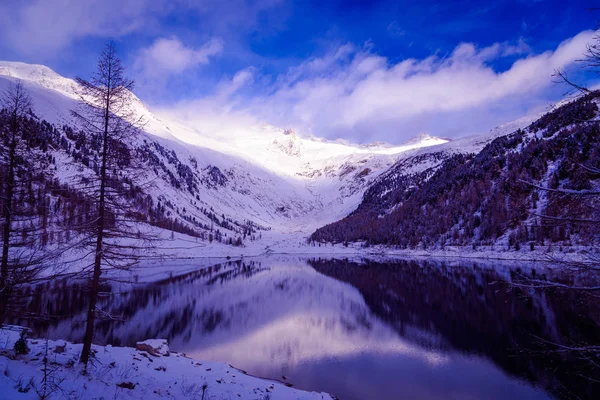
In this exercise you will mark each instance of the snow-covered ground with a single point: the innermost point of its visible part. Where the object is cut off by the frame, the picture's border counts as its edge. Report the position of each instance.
(51, 369)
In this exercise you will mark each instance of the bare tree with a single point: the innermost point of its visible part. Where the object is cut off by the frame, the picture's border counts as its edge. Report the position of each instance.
(112, 236)
(590, 197)
(17, 103)
(590, 61)
(583, 274)
(22, 258)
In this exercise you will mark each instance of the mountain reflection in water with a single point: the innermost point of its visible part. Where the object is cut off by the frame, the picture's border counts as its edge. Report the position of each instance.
(357, 329)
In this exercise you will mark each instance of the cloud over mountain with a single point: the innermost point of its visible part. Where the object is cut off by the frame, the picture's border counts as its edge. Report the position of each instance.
(353, 92)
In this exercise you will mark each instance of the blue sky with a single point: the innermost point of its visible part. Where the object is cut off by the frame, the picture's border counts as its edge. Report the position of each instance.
(361, 70)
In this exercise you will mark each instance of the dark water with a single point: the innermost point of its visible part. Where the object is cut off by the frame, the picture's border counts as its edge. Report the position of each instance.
(362, 330)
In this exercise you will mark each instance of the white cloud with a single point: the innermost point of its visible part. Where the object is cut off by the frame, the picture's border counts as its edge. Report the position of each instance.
(351, 92)
(358, 94)
(395, 30)
(45, 27)
(168, 56)
(221, 113)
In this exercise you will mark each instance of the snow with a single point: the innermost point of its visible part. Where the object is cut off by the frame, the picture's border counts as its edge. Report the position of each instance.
(43, 76)
(155, 347)
(126, 373)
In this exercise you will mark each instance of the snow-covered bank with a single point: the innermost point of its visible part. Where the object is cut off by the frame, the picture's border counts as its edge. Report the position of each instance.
(180, 248)
(545, 256)
(179, 254)
(541, 254)
(126, 373)
(296, 244)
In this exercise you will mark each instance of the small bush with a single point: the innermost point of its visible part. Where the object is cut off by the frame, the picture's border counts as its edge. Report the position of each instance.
(21, 346)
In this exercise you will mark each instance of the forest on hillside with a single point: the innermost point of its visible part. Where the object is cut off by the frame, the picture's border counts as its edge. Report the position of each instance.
(63, 208)
(524, 189)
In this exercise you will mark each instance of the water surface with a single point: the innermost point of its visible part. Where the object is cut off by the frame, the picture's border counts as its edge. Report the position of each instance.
(417, 329)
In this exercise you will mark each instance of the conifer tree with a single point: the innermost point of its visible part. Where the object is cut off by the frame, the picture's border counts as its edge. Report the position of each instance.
(112, 237)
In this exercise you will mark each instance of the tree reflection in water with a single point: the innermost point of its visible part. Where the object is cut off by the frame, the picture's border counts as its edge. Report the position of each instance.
(476, 310)
(277, 315)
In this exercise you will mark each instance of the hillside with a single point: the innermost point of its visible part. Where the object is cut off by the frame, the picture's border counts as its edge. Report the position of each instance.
(489, 197)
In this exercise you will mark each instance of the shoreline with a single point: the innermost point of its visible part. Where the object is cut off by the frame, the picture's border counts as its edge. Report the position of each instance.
(150, 371)
(574, 254)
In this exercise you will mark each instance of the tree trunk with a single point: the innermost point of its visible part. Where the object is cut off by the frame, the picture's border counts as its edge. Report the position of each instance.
(89, 328)
(6, 229)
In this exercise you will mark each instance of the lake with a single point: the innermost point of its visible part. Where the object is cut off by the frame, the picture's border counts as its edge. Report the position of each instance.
(358, 329)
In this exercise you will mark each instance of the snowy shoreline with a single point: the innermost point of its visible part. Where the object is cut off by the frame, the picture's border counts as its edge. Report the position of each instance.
(567, 254)
(294, 244)
(127, 373)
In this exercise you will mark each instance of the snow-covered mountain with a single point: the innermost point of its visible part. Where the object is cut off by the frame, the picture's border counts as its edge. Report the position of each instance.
(262, 183)
(269, 177)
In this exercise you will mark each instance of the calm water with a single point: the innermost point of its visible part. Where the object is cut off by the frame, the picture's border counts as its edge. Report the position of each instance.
(360, 330)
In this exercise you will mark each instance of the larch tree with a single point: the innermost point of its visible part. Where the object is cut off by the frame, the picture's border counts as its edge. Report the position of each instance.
(584, 271)
(590, 171)
(111, 237)
(22, 259)
(589, 62)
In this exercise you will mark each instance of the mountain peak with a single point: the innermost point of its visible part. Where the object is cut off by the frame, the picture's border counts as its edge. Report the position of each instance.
(22, 70)
(38, 74)
(425, 137)
(30, 72)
